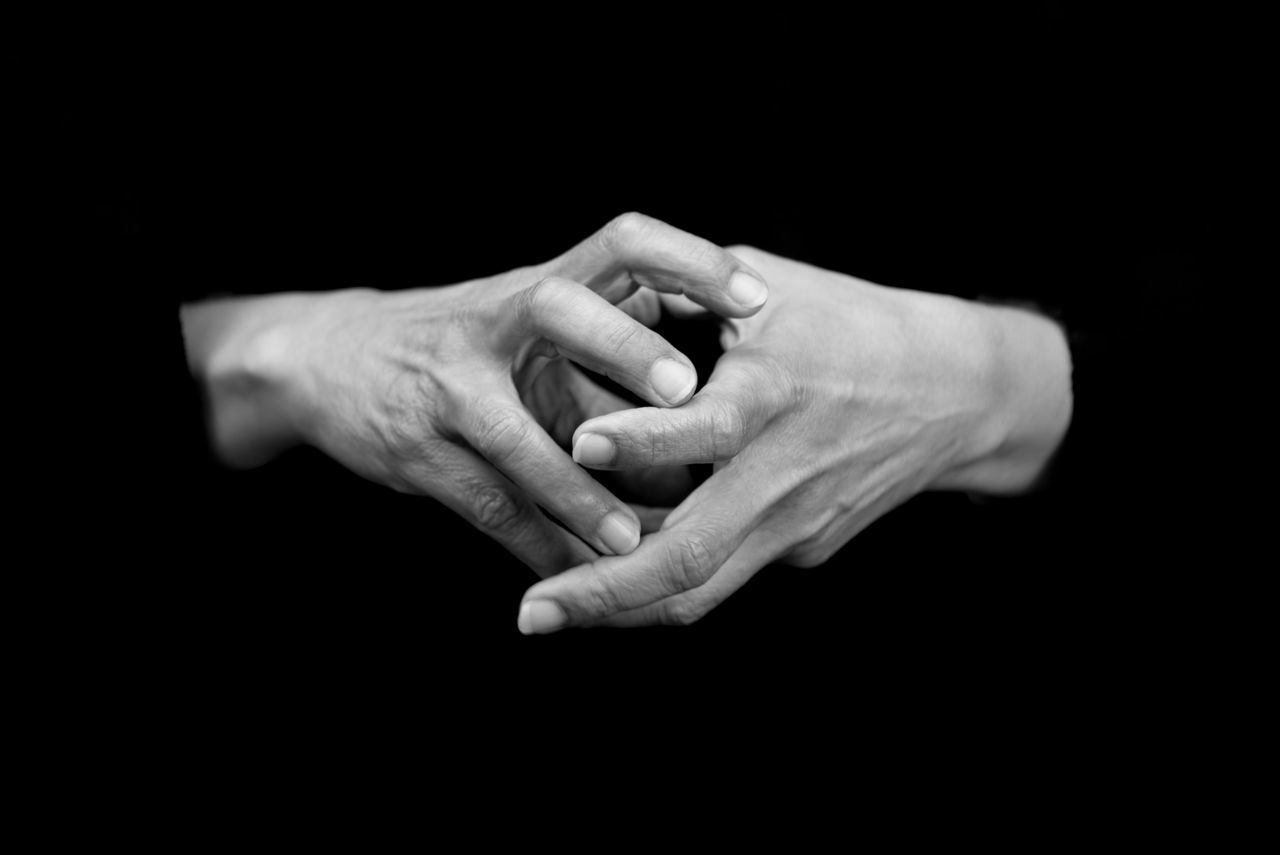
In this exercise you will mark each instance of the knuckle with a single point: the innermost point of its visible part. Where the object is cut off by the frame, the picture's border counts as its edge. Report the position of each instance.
(540, 297)
(777, 384)
(600, 599)
(685, 612)
(495, 508)
(644, 443)
(500, 434)
(661, 443)
(623, 229)
(620, 337)
(728, 431)
(702, 254)
(690, 562)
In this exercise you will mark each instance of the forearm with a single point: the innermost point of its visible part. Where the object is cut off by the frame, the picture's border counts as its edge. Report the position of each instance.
(237, 350)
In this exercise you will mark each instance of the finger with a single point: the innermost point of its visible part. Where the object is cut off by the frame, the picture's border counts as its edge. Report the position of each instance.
(651, 519)
(589, 398)
(647, 306)
(667, 485)
(758, 550)
(644, 305)
(761, 547)
(637, 249)
(483, 497)
(717, 424)
(506, 434)
(697, 539)
(561, 397)
(678, 305)
(598, 335)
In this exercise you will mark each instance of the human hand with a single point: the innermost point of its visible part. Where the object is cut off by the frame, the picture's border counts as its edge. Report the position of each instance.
(422, 390)
(834, 404)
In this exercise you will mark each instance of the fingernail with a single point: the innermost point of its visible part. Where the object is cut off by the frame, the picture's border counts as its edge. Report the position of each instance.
(746, 290)
(672, 381)
(619, 533)
(539, 616)
(592, 449)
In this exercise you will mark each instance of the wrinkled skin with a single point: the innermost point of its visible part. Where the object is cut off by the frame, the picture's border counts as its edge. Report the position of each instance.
(466, 393)
(834, 404)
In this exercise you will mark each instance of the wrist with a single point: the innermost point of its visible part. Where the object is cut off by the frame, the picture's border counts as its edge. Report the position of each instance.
(243, 352)
(1029, 390)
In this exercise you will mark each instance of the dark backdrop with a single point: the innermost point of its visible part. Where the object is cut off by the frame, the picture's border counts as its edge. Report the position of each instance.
(1049, 158)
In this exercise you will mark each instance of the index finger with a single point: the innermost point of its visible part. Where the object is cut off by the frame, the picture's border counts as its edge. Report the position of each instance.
(633, 249)
(700, 536)
(714, 426)
(505, 434)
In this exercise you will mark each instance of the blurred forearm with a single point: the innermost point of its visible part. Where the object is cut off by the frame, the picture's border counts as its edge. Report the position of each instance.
(237, 350)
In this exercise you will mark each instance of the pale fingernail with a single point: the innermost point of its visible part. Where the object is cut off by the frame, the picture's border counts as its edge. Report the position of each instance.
(746, 290)
(619, 533)
(672, 381)
(539, 616)
(592, 449)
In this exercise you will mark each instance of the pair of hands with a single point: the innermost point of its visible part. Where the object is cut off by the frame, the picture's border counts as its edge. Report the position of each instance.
(835, 401)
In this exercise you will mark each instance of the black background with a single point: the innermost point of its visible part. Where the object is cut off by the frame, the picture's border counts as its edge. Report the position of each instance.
(1044, 155)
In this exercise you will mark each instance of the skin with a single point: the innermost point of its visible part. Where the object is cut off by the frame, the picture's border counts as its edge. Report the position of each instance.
(464, 393)
(834, 404)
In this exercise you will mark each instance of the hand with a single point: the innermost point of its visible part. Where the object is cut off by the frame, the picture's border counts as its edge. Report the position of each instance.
(422, 390)
(834, 404)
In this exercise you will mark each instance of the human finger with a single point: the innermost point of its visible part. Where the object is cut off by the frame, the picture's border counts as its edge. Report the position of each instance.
(502, 431)
(697, 539)
(714, 426)
(758, 550)
(634, 249)
(651, 518)
(561, 397)
(592, 332)
(493, 504)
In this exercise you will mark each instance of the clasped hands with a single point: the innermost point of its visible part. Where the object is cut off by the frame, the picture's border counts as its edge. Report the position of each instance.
(834, 401)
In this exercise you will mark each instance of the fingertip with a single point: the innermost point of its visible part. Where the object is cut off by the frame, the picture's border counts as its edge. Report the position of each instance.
(748, 290)
(673, 381)
(538, 617)
(620, 531)
(593, 449)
